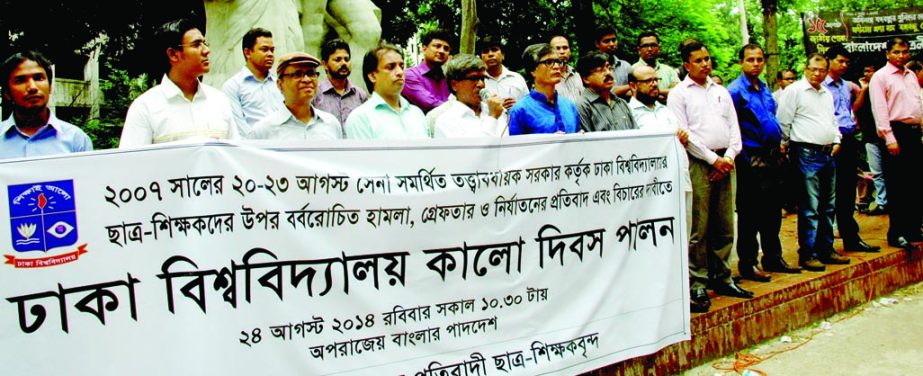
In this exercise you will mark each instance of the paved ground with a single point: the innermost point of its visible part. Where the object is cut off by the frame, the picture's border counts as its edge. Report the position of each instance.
(884, 337)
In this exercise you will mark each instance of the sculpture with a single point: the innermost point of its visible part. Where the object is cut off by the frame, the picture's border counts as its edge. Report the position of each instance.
(296, 25)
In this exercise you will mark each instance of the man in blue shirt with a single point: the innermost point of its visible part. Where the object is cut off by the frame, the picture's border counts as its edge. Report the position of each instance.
(543, 110)
(759, 170)
(847, 159)
(32, 129)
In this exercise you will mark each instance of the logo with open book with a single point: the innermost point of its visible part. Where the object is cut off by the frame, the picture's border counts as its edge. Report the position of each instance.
(43, 217)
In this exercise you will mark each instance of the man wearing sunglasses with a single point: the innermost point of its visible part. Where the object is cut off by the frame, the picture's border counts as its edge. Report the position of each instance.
(299, 120)
(543, 110)
(181, 107)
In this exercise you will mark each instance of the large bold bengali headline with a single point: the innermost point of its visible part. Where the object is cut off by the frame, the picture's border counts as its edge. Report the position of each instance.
(526, 255)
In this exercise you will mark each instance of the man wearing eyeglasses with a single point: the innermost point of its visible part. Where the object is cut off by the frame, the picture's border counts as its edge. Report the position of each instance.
(252, 90)
(649, 53)
(759, 170)
(706, 110)
(598, 108)
(543, 110)
(181, 107)
(299, 120)
(468, 115)
(811, 136)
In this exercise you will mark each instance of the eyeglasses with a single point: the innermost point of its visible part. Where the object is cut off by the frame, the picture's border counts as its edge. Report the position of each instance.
(552, 62)
(816, 70)
(649, 80)
(650, 45)
(196, 45)
(300, 74)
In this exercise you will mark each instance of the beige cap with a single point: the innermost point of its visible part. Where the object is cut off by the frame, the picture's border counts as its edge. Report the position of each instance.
(296, 58)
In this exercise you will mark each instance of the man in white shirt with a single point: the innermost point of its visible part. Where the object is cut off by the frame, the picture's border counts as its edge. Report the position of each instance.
(509, 85)
(181, 107)
(469, 115)
(299, 120)
(253, 91)
(811, 136)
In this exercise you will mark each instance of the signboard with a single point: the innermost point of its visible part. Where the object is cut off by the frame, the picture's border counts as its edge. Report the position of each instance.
(863, 33)
(523, 256)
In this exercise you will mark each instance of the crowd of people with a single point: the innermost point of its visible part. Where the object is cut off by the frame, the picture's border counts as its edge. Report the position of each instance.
(749, 149)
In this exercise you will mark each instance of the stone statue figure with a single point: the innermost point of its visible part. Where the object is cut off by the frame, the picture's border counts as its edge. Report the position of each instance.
(296, 25)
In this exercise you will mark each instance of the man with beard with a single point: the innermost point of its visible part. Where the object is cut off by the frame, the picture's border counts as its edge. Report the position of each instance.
(32, 129)
(181, 107)
(386, 115)
(336, 94)
(649, 52)
(649, 113)
(543, 110)
(706, 110)
(252, 91)
(759, 170)
(571, 86)
(809, 132)
(297, 72)
(598, 108)
(507, 84)
(895, 94)
(426, 86)
(847, 159)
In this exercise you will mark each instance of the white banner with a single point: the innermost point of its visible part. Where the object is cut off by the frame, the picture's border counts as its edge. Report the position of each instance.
(525, 255)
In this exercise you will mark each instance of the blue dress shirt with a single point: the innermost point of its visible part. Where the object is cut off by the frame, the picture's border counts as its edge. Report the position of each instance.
(756, 113)
(842, 104)
(534, 114)
(56, 137)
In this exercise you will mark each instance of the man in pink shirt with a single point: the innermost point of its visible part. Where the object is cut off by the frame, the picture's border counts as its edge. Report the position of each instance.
(895, 94)
(707, 111)
(426, 86)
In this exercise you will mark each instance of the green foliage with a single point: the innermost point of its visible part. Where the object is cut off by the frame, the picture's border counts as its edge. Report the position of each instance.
(119, 89)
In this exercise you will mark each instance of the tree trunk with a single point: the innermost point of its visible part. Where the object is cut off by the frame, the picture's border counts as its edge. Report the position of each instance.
(469, 26)
(770, 35)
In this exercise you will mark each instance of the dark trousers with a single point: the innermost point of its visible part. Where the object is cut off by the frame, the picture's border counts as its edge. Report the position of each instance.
(901, 172)
(847, 161)
(759, 207)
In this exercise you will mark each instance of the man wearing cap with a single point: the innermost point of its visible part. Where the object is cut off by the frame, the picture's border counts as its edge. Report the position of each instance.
(299, 120)
(386, 115)
(252, 90)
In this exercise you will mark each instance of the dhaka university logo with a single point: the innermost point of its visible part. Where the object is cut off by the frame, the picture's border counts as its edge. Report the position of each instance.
(43, 216)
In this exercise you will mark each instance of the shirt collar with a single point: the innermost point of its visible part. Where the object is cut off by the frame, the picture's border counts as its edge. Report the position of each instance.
(644, 63)
(248, 75)
(891, 68)
(634, 103)
(171, 90)
(808, 87)
(377, 101)
(689, 82)
(8, 127)
(542, 98)
(326, 86)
